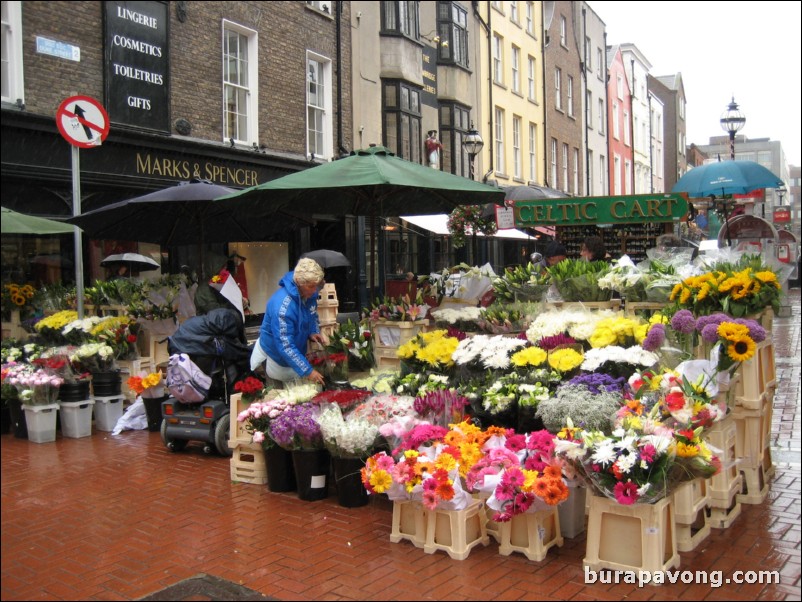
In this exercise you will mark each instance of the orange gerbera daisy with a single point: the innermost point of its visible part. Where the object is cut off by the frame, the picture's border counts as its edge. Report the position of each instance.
(552, 472)
(551, 497)
(540, 487)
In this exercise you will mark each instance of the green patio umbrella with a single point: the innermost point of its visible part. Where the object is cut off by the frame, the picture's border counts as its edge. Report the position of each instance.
(20, 223)
(369, 182)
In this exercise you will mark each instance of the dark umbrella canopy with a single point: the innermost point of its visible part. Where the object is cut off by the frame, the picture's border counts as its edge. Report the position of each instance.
(725, 178)
(326, 258)
(182, 215)
(531, 193)
(372, 182)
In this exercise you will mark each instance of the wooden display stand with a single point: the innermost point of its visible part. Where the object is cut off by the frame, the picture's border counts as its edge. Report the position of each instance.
(13, 328)
(641, 537)
(409, 522)
(237, 433)
(248, 464)
(726, 485)
(133, 368)
(456, 532)
(613, 304)
(532, 534)
(752, 449)
(757, 377)
(690, 511)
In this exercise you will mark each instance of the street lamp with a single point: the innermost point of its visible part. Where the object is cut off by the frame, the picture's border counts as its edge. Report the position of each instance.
(472, 143)
(732, 121)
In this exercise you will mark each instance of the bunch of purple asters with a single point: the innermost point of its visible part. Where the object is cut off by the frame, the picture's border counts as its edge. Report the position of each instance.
(599, 381)
(297, 428)
(549, 343)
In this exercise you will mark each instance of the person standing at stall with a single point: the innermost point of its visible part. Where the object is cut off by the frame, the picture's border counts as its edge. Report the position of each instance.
(593, 249)
(290, 322)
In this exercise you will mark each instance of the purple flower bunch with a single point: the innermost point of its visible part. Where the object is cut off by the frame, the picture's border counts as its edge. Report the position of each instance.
(549, 343)
(297, 428)
(683, 322)
(708, 327)
(655, 337)
(597, 382)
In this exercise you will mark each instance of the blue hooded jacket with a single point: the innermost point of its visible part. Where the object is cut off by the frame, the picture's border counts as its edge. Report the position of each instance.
(288, 323)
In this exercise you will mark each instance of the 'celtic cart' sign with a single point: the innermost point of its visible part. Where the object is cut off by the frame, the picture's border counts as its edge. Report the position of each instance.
(639, 208)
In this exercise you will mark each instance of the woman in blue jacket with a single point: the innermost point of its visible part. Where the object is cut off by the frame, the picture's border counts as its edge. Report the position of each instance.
(290, 322)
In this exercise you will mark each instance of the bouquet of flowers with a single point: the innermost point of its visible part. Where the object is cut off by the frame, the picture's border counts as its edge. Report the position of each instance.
(333, 366)
(355, 340)
(259, 415)
(462, 318)
(119, 333)
(34, 386)
(397, 309)
(17, 297)
(579, 325)
(50, 327)
(93, 357)
(345, 399)
(442, 407)
(150, 385)
(578, 280)
(522, 283)
(484, 352)
(740, 288)
(56, 360)
(346, 437)
(586, 408)
(251, 388)
(297, 428)
(429, 351)
(618, 361)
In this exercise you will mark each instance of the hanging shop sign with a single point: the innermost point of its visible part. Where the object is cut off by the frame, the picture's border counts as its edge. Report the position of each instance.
(638, 208)
(137, 70)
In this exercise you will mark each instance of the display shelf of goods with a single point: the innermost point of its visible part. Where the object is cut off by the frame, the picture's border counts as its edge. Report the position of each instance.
(632, 239)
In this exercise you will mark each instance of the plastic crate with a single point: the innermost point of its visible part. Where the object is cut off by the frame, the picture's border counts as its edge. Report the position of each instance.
(689, 499)
(456, 532)
(532, 534)
(108, 410)
(41, 422)
(409, 523)
(689, 536)
(641, 537)
(76, 418)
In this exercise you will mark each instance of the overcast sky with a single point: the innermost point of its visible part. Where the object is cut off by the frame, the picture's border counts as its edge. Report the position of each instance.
(749, 50)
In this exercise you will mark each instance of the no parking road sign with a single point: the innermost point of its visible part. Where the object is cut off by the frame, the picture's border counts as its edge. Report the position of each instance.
(82, 121)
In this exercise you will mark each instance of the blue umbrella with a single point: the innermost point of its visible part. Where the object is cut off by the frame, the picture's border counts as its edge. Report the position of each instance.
(725, 178)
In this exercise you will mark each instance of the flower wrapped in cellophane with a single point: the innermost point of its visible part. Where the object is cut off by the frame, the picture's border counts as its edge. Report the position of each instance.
(346, 437)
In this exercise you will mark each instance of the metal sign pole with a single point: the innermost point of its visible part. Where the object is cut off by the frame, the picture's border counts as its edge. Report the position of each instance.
(76, 210)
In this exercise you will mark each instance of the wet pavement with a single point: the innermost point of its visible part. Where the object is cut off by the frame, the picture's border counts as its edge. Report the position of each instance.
(121, 518)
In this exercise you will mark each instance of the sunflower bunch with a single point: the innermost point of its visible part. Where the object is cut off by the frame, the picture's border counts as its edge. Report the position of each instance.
(735, 345)
(738, 292)
(17, 297)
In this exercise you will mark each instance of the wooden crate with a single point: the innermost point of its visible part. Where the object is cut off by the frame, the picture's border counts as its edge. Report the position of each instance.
(391, 334)
(328, 294)
(248, 464)
(386, 358)
(327, 314)
(757, 377)
(614, 304)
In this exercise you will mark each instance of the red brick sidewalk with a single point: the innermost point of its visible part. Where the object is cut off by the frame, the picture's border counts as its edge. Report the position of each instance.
(116, 518)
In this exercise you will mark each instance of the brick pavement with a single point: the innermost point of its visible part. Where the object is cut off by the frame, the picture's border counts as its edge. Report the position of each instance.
(119, 518)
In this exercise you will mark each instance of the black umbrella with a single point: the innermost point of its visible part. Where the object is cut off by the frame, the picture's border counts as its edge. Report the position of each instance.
(531, 193)
(326, 258)
(185, 215)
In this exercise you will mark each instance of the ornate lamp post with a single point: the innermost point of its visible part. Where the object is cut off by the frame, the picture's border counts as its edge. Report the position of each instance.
(473, 144)
(732, 121)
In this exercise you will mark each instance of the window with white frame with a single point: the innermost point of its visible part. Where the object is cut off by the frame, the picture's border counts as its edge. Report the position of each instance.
(600, 63)
(452, 26)
(589, 109)
(558, 82)
(514, 11)
(530, 19)
(516, 69)
(563, 31)
(240, 84)
(627, 176)
(619, 86)
(531, 78)
(626, 128)
(517, 159)
(533, 152)
(576, 171)
(322, 5)
(635, 131)
(13, 88)
(588, 56)
(601, 116)
(602, 174)
(616, 121)
(565, 167)
(616, 175)
(590, 172)
(319, 138)
(501, 166)
(498, 60)
(570, 98)
(553, 182)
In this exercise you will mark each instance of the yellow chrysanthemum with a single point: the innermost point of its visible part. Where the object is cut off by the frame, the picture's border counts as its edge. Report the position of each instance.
(565, 360)
(741, 349)
(445, 462)
(408, 350)
(531, 356)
